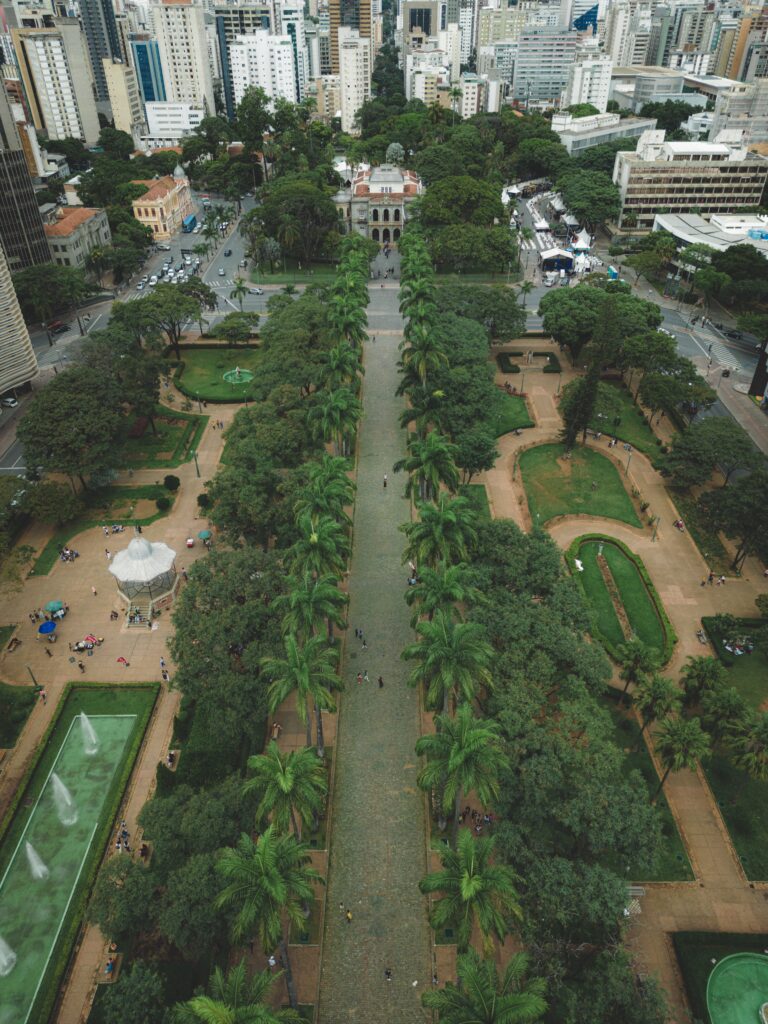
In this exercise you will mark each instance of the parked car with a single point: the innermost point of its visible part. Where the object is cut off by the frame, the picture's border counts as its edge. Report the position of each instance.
(164, 248)
(227, 252)
(243, 263)
(222, 271)
(9, 403)
(255, 291)
(140, 286)
(153, 281)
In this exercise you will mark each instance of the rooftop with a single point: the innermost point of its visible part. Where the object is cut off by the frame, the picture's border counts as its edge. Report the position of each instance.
(692, 229)
(157, 188)
(70, 219)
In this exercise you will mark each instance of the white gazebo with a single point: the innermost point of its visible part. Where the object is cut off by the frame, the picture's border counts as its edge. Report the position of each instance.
(146, 578)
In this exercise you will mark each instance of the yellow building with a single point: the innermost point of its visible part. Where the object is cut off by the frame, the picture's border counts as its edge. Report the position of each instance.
(164, 205)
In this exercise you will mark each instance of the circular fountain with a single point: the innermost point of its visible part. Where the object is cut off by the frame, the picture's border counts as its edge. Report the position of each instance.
(737, 989)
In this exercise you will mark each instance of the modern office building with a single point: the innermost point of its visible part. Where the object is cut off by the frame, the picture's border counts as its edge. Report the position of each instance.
(169, 123)
(179, 28)
(686, 177)
(291, 18)
(580, 133)
(352, 14)
(743, 107)
(145, 55)
(354, 74)
(541, 68)
(589, 79)
(75, 232)
(124, 97)
(100, 28)
(264, 61)
(18, 364)
(21, 226)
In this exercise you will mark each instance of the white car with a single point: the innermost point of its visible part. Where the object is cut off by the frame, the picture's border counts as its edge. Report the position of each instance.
(153, 281)
(140, 286)
(255, 291)
(9, 403)
(222, 271)
(197, 229)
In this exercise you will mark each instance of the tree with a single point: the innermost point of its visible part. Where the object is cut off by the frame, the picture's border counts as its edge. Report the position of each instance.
(655, 697)
(48, 288)
(73, 425)
(268, 883)
(395, 154)
(637, 659)
(443, 532)
(235, 999)
(309, 212)
(441, 589)
(590, 196)
(723, 711)
(239, 292)
(464, 755)
(476, 452)
(122, 898)
(648, 263)
(321, 546)
(117, 145)
(51, 502)
(670, 114)
(453, 660)
(749, 742)
(711, 283)
(474, 890)
(699, 676)
(343, 366)
(169, 309)
(429, 464)
(237, 328)
(293, 787)
(311, 600)
(135, 998)
(742, 514)
(461, 200)
(327, 491)
(335, 418)
(680, 743)
(716, 441)
(525, 290)
(310, 670)
(482, 997)
(187, 915)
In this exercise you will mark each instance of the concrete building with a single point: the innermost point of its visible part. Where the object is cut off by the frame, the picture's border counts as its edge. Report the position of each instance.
(265, 61)
(145, 55)
(21, 226)
(499, 58)
(124, 98)
(422, 62)
(56, 73)
(375, 204)
(179, 28)
(75, 232)
(720, 232)
(231, 21)
(100, 28)
(354, 74)
(328, 97)
(541, 67)
(291, 18)
(18, 365)
(500, 24)
(168, 124)
(468, 28)
(164, 205)
(628, 32)
(699, 125)
(349, 14)
(744, 108)
(472, 95)
(580, 133)
(589, 79)
(685, 177)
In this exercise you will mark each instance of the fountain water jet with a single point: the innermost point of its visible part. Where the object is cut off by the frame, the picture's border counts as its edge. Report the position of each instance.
(37, 866)
(65, 805)
(7, 958)
(90, 739)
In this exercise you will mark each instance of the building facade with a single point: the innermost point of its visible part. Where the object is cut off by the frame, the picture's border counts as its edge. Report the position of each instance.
(743, 107)
(100, 28)
(231, 21)
(265, 61)
(145, 55)
(354, 75)
(541, 66)
(21, 226)
(75, 232)
(580, 133)
(124, 98)
(179, 28)
(351, 14)
(18, 364)
(164, 205)
(589, 79)
(169, 123)
(375, 204)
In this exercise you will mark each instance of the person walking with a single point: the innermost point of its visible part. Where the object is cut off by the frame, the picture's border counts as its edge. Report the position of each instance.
(385, 481)
(348, 916)
(162, 662)
(94, 591)
(359, 678)
(365, 677)
(381, 683)
(122, 661)
(81, 666)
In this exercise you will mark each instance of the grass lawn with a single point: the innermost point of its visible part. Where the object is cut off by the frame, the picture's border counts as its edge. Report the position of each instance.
(747, 673)
(604, 614)
(708, 543)
(511, 414)
(560, 487)
(743, 803)
(204, 369)
(477, 496)
(695, 952)
(178, 434)
(16, 702)
(673, 864)
(105, 506)
(637, 602)
(633, 429)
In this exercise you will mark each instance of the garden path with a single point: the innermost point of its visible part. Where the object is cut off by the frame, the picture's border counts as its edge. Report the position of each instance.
(377, 854)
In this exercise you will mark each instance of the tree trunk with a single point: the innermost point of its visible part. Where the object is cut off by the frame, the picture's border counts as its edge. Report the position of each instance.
(153, 424)
(661, 786)
(320, 737)
(456, 812)
(296, 829)
(330, 629)
(81, 478)
(289, 982)
(309, 730)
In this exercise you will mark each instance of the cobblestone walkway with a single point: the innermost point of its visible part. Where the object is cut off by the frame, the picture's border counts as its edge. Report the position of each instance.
(377, 852)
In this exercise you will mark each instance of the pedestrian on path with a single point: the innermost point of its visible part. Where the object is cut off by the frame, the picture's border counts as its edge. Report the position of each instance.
(359, 678)
(44, 695)
(387, 974)
(381, 683)
(365, 644)
(94, 591)
(122, 661)
(108, 553)
(385, 481)
(81, 666)
(711, 578)
(165, 676)
(348, 914)
(162, 662)
(365, 677)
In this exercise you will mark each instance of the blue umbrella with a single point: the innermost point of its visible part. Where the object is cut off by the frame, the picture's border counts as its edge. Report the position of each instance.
(204, 534)
(46, 627)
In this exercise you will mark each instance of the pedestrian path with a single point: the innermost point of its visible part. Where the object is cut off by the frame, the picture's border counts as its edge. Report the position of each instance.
(377, 854)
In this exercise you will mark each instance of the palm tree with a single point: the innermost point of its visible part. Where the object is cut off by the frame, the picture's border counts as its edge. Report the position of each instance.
(234, 999)
(335, 417)
(474, 890)
(348, 321)
(423, 351)
(321, 546)
(455, 95)
(269, 883)
(440, 589)
(310, 670)
(288, 233)
(443, 532)
(453, 660)
(323, 499)
(239, 291)
(309, 601)
(342, 366)
(464, 755)
(724, 712)
(426, 408)
(481, 997)
(430, 463)
(636, 659)
(655, 697)
(293, 785)
(525, 289)
(680, 743)
(700, 675)
(749, 741)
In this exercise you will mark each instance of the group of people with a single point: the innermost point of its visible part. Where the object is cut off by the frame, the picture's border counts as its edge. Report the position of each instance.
(122, 844)
(68, 554)
(38, 614)
(476, 820)
(115, 528)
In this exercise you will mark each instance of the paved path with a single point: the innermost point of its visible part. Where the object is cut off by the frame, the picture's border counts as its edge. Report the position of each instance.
(377, 849)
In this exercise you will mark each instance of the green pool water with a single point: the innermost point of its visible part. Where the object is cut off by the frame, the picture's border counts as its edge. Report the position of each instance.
(33, 909)
(737, 988)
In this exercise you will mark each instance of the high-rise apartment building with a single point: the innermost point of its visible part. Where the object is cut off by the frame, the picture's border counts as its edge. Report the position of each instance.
(18, 364)
(291, 18)
(56, 74)
(468, 28)
(354, 14)
(233, 20)
(742, 108)
(124, 97)
(541, 68)
(264, 61)
(589, 79)
(21, 226)
(179, 28)
(145, 55)
(354, 74)
(100, 28)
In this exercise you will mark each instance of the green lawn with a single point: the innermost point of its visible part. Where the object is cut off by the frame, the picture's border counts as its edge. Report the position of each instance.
(637, 602)
(178, 434)
(511, 414)
(477, 496)
(633, 429)
(16, 702)
(695, 953)
(747, 673)
(706, 540)
(560, 487)
(204, 369)
(606, 621)
(673, 864)
(743, 803)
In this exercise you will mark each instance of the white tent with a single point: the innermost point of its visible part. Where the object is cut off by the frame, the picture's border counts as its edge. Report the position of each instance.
(146, 577)
(553, 254)
(583, 242)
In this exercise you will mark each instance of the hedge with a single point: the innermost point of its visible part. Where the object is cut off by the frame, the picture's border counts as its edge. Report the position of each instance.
(505, 363)
(553, 366)
(670, 637)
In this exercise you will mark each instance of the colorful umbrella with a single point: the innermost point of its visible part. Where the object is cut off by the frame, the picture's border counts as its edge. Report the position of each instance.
(54, 606)
(204, 534)
(46, 627)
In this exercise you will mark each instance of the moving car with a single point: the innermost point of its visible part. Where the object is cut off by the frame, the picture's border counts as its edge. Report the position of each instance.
(243, 263)
(227, 252)
(222, 271)
(255, 291)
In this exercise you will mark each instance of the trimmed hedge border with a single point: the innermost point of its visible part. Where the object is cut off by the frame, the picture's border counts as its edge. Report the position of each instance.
(716, 639)
(553, 366)
(505, 364)
(62, 951)
(670, 637)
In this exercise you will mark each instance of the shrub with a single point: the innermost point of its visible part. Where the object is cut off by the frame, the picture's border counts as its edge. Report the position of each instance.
(553, 364)
(163, 503)
(171, 482)
(203, 501)
(505, 364)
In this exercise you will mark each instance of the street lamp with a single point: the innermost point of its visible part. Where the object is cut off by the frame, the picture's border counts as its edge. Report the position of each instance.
(32, 676)
(629, 459)
(197, 466)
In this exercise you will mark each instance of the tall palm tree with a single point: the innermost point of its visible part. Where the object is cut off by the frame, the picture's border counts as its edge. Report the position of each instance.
(482, 997)
(342, 367)
(680, 743)
(321, 546)
(464, 755)
(309, 601)
(294, 786)
(347, 321)
(455, 95)
(310, 670)
(443, 532)
(423, 351)
(453, 660)
(426, 408)
(288, 233)
(525, 289)
(749, 742)
(701, 674)
(239, 291)
(429, 463)
(318, 498)
(335, 417)
(440, 589)
(724, 713)
(473, 888)
(269, 883)
(417, 290)
(234, 999)
(655, 697)
(637, 659)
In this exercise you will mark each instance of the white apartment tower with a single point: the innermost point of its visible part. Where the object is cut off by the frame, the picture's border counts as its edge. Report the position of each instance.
(264, 61)
(589, 79)
(292, 24)
(18, 364)
(354, 73)
(179, 28)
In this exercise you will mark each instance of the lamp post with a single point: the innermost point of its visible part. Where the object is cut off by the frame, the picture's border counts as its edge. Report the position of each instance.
(629, 459)
(655, 529)
(32, 676)
(197, 466)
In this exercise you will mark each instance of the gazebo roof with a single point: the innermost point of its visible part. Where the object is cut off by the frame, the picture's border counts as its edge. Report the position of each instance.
(142, 561)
